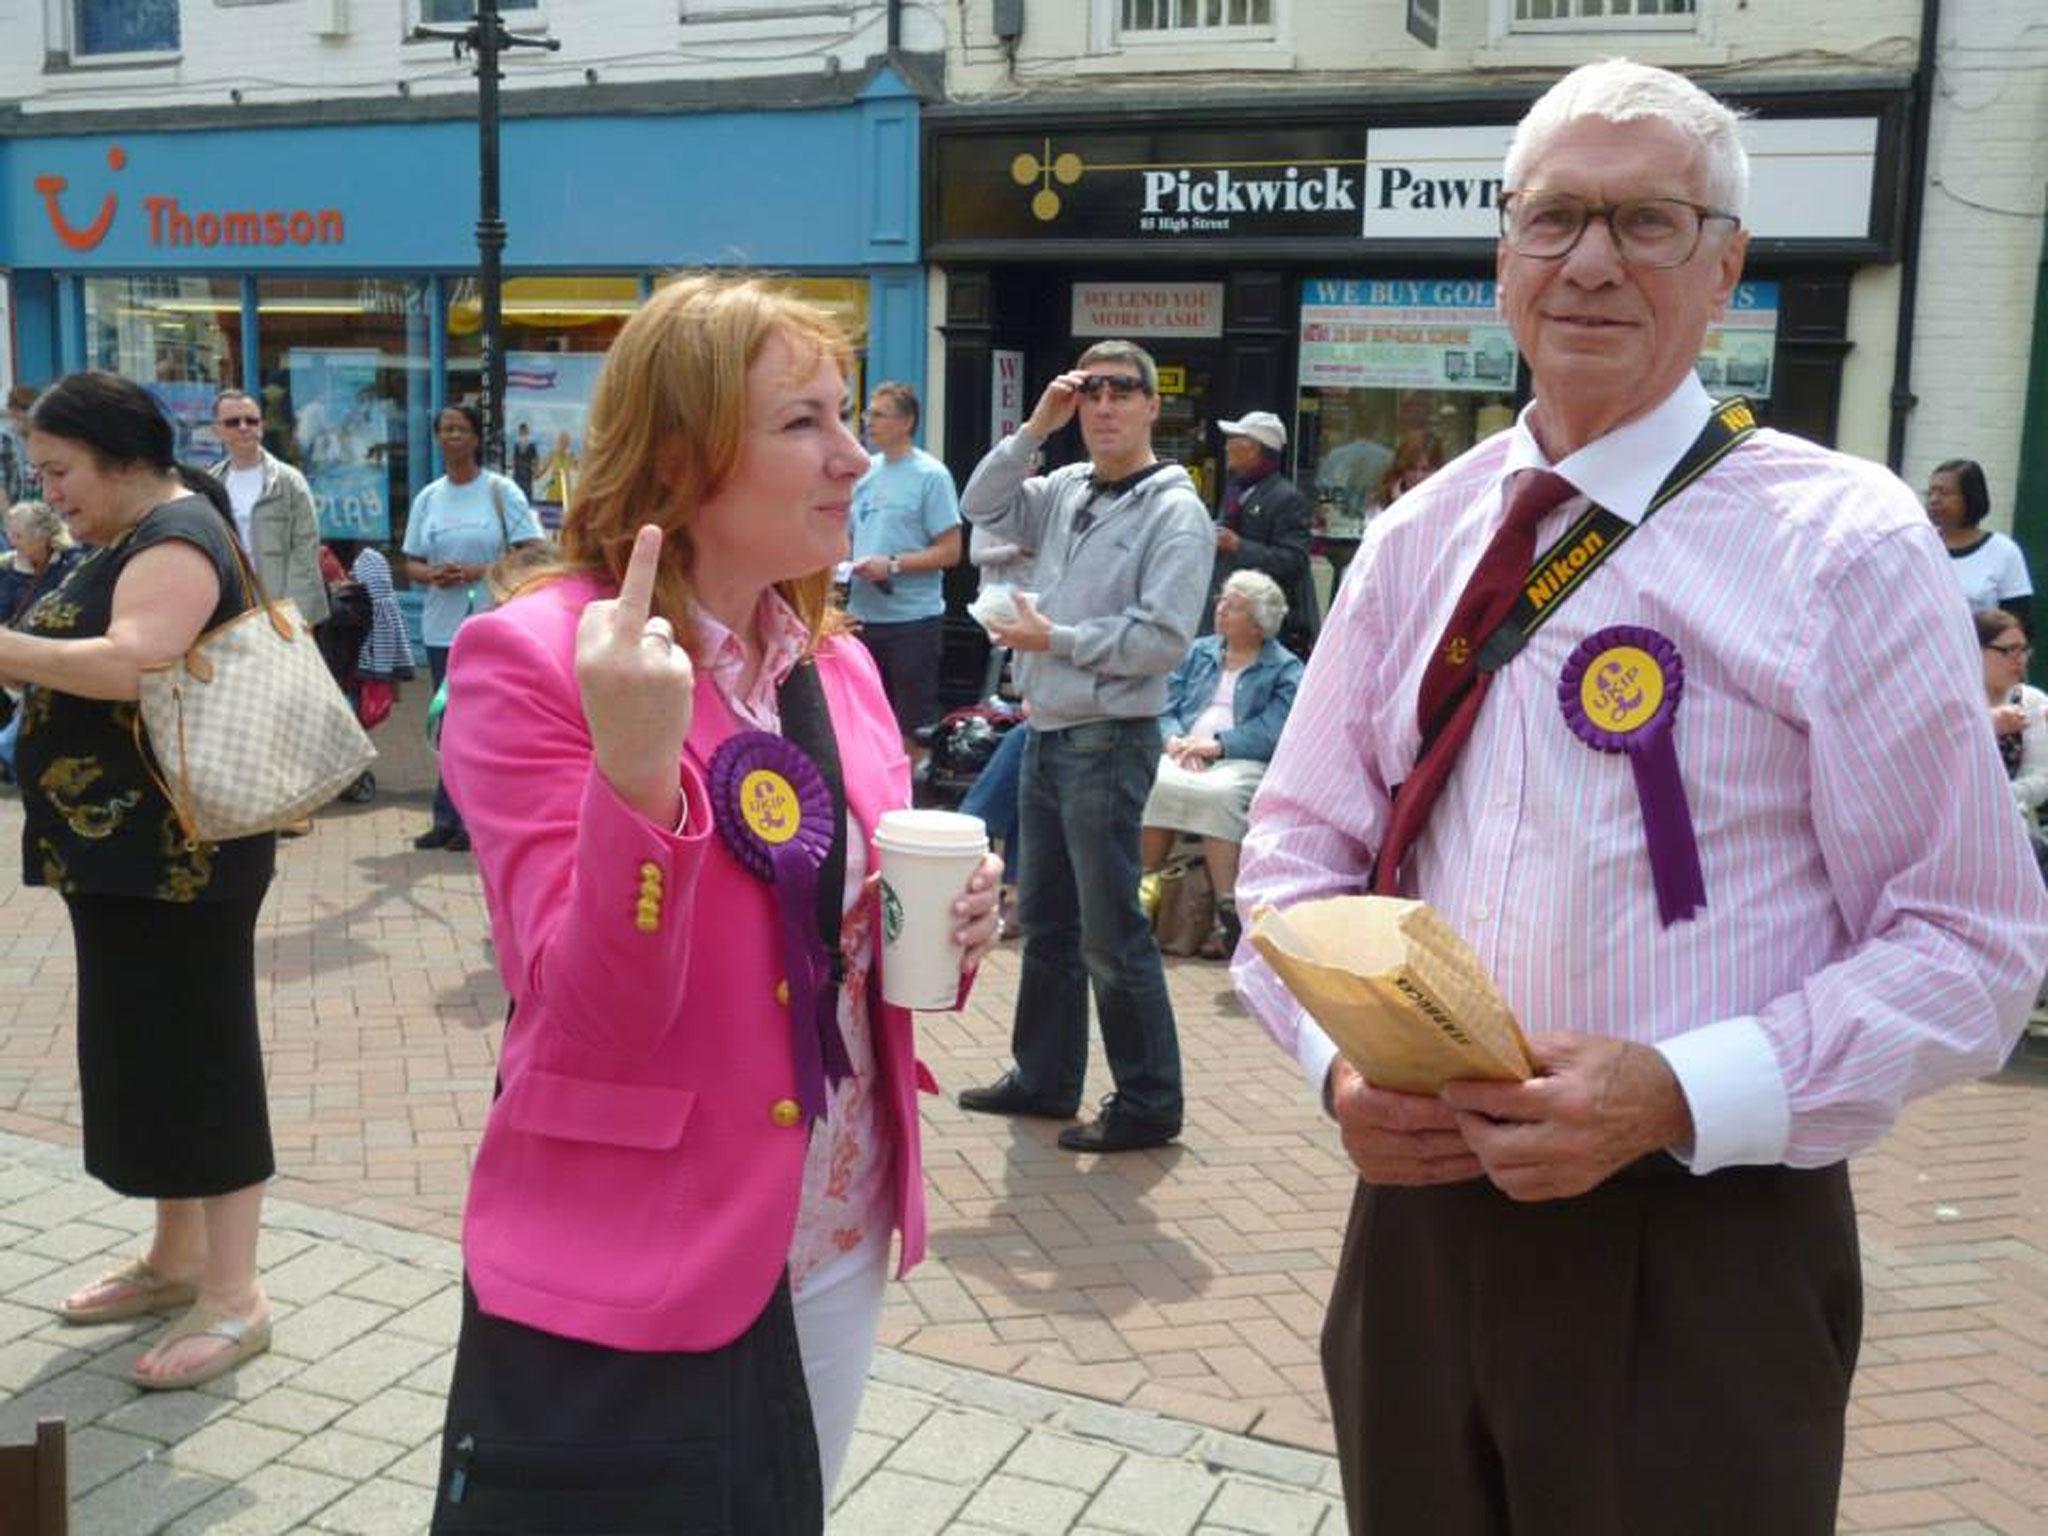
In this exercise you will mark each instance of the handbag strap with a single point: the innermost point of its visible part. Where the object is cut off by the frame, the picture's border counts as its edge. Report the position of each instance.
(498, 506)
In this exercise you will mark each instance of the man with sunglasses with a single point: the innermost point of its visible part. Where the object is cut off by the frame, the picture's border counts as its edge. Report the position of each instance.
(1679, 716)
(1124, 550)
(274, 508)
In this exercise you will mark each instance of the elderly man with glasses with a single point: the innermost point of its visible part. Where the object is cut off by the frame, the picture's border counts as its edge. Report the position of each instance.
(1683, 724)
(1124, 550)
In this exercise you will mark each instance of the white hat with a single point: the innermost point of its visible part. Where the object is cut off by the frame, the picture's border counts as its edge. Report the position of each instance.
(1260, 426)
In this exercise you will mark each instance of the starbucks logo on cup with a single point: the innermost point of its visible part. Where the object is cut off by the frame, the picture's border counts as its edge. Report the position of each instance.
(892, 914)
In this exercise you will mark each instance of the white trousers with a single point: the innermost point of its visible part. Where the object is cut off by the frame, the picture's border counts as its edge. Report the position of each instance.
(837, 1322)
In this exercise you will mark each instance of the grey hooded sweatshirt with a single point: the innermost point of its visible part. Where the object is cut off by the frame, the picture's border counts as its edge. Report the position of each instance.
(1124, 595)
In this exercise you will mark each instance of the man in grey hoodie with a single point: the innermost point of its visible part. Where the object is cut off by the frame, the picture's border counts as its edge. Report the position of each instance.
(1124, 550)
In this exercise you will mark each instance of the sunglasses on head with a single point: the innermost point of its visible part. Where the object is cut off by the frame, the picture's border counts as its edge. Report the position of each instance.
(1121, 386)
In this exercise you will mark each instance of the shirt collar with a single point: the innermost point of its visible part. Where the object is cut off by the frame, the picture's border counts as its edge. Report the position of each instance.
(783, 637)
(1622, 470)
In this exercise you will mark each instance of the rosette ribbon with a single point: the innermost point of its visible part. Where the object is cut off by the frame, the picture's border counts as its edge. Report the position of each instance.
(1620, 693)
(774, 811)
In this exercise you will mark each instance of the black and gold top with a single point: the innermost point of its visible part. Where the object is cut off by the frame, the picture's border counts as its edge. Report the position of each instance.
(95, 823)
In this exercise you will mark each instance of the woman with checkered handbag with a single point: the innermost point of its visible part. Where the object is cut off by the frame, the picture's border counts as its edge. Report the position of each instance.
(171, 1073)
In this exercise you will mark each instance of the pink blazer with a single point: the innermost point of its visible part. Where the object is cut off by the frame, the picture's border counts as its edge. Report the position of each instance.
(638, 1178)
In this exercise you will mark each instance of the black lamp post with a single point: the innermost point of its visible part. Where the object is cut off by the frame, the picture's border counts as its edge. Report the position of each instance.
(487, 37)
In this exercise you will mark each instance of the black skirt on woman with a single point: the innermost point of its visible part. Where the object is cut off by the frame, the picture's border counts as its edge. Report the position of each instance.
(170, 1066)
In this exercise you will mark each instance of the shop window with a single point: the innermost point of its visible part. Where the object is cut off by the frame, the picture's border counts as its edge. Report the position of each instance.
(459, 12)
(1146, 20)
(181, 337)
(1603, 15)
(104, 29)
(341, 369)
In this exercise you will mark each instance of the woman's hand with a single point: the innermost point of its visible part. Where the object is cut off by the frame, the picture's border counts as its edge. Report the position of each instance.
(975, 927)
(637, 686)
(2008, 719)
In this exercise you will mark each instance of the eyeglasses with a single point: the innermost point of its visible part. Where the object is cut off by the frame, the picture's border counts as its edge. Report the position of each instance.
(1648, 231)
(241, 421)
(1121, 386)
(2010, 651)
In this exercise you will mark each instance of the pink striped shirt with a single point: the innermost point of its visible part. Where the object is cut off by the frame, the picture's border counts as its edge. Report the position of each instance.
(1875, 926)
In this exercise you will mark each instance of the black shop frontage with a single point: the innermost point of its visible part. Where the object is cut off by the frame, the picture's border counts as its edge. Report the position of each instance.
(1332, 261)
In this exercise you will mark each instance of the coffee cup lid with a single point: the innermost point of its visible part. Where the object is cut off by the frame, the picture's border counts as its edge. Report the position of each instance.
(931, 831)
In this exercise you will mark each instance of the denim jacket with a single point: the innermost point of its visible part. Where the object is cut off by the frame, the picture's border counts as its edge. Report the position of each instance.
(1265, 692)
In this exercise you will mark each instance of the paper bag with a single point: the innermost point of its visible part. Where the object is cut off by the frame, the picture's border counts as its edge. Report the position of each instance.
(1404, 998)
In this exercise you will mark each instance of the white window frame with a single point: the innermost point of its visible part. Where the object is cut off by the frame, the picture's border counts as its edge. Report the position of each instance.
(1510, 23)
(761, 10)
(61, 17)
(1106, 34)
(530, 20)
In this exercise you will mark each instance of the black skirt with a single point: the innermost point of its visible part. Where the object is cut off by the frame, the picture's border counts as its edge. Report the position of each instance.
(556, 1435)
(170, 1067)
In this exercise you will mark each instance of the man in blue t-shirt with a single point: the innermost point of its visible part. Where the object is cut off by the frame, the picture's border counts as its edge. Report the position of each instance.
(906, 532)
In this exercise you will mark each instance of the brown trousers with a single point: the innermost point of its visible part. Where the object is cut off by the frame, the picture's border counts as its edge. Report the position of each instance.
(1665, 1354)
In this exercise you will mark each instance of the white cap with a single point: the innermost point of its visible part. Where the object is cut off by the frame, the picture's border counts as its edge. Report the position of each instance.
(1260, 426)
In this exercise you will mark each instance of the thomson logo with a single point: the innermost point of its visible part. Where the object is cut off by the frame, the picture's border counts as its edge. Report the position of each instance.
(1211, 192)
(172, 224)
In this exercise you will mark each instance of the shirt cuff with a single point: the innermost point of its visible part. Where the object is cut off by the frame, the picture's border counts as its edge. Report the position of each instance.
(1729, 1075)
(1315, 1051)
(1061, 641)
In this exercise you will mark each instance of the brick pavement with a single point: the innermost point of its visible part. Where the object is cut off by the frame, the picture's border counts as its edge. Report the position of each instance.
(1186, 1282)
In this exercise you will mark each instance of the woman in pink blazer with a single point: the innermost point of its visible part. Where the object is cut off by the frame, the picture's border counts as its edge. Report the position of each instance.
(680, 1217)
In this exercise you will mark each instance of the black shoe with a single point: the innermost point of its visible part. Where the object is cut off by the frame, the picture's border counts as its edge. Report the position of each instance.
(361, 790)
(1117, 1129)
(458, 842)
(1006, 1096)
(436, 836)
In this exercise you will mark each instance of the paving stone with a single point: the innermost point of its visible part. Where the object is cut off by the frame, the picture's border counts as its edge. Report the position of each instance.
(864, 1452)
(1023, 1505)
(1063, 1461)
(420, 1466)
(378, 1509)
(93, 1454)
(291, 1408)
(436, 1318)
(891, 1412)
(321, 1269)
(79, 1396)
(399, 1285)
(142, 1500)
(367, 1366)
(165, 1416)
(890, 1503)
(1235, 1453)
(1015, 1400)
(269, 1502)
(322, 1326)
(1150, 1497)
(24, 1362)
(336, 1452)
(230, 1448)
(956, 1446)
(398, 1416)
(1264, 1510)
(434, 1377)
(1145, 1432)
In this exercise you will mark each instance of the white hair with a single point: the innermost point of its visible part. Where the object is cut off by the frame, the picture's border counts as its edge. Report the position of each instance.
(1622, 91)
(1268, 602)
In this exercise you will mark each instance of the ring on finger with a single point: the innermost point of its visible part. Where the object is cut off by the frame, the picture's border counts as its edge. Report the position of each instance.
(659, 628)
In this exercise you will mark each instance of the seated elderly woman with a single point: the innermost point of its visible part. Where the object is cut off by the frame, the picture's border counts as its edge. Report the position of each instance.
(1225, 705)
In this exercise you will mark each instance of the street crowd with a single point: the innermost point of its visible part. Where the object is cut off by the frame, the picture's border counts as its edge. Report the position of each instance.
(1740, 822)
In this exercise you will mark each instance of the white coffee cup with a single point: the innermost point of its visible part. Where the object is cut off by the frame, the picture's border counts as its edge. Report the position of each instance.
(927, 859)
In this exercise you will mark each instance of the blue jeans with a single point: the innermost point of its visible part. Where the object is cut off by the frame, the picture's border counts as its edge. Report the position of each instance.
(1082, 799)
(445, 814)
(993, 796)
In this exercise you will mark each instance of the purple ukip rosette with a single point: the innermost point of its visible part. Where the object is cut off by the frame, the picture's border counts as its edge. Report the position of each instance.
(774, 811)
(1620, 693)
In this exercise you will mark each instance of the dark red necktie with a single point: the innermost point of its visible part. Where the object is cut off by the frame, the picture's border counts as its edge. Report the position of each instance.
(1453, 687)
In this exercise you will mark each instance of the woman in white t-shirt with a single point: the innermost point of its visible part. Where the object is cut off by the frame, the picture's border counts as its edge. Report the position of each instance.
(1989, 566)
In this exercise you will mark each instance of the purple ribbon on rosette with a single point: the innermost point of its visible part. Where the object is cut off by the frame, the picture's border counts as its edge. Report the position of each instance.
(1620, 693)
(774, 811)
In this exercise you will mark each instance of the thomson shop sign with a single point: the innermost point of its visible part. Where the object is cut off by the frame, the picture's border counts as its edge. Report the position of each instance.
(1175, 185)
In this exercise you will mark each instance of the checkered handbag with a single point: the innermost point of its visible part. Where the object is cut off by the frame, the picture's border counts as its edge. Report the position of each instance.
(248, 727)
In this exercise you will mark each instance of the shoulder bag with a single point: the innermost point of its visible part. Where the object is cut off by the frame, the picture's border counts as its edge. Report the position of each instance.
(247, 730)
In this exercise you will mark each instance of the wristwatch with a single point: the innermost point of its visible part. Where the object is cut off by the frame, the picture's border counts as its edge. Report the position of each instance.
(895, 567)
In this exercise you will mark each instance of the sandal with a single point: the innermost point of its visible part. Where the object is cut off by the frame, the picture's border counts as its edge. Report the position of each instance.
(245, 1340)
(133, 1290)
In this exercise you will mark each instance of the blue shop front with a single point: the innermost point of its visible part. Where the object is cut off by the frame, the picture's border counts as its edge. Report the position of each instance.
(330, 270)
